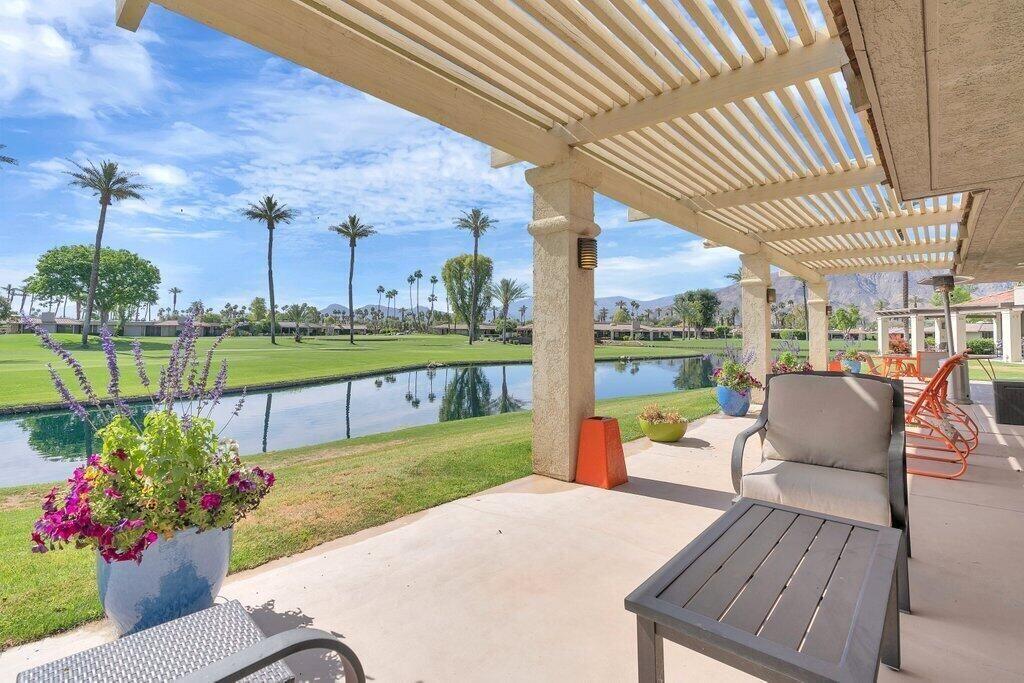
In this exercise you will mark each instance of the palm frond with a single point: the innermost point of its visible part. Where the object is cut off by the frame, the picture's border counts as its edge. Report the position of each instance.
(106, 181)
(475, 221)
(353, 228)
(268, 210)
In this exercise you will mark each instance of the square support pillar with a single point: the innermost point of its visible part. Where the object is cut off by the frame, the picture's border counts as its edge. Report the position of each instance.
(938, 333)
(959, 336)
(817, 322)
(756, 315)
(563, 321)
(1011, 336)
(916, 331)
(883, 336)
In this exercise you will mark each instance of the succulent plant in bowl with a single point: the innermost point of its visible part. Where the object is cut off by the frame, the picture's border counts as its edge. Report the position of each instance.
(665, 426)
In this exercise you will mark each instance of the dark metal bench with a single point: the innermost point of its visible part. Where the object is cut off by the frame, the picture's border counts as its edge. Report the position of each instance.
(778, 592)
(221, 643)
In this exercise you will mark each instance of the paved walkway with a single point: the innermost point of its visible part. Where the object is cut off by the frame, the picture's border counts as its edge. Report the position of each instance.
(526, 582)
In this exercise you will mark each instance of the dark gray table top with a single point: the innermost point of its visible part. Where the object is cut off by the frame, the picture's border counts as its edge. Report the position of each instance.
(165, 652)
(794, 590)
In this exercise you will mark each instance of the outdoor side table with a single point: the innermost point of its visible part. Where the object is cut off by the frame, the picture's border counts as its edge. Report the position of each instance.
(166, 652)
(778, 592)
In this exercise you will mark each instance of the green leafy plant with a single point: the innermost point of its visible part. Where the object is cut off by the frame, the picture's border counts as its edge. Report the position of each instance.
(981, 347)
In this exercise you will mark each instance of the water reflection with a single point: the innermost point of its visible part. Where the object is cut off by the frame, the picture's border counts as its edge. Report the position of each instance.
(45, 447)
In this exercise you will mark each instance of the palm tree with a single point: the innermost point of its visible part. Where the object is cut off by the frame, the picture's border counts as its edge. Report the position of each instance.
(354, 230)
(735, 277)
(686, 310)
(602, 315)
(174, 292)
(522, 314)
(4, 159)
(477, 223)
(270, 212)
(507, 293)
(418, 274)
(110, 184)
(380, 293)
(433, 285)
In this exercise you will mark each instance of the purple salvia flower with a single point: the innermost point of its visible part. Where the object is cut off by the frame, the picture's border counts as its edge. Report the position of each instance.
(238, 406)
(69, 360)
(205, 377)
(220, 383)
(66, 396)
(107, 340)
(140, 366)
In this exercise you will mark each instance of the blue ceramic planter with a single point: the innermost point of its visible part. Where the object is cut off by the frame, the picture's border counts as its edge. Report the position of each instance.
(733, 402)
(851, 365)
(176, 577)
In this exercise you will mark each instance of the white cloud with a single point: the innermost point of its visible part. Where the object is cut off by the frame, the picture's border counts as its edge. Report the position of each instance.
(58, 57)
(649, 277)
(164, 174)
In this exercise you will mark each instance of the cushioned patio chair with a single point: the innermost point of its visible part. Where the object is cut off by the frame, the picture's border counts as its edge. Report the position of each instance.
(833, 443)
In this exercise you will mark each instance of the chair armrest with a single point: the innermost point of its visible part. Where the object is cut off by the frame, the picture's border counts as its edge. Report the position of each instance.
(274, 648)
(897, 471)
(740, 443)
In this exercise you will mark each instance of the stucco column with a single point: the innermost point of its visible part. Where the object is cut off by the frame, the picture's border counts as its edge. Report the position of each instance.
(959, 337)
(755, 315)
(563, 332)
(1011, 336)
(817, 321)
(916, 333)
(883, 336)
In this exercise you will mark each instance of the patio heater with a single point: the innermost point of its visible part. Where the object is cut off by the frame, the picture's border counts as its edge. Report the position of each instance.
(959, 382)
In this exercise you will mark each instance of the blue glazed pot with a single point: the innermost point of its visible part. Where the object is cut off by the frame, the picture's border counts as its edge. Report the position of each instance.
(851, 365)
(732, 402)
(176, 577)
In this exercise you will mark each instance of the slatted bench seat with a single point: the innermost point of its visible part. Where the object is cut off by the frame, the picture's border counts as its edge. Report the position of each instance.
(781, 593)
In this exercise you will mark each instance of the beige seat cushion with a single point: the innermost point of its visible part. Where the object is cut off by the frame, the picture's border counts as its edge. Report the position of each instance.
(856, 495)
(843, 422)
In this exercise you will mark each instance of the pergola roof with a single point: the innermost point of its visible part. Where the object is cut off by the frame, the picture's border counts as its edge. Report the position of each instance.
(731, 121)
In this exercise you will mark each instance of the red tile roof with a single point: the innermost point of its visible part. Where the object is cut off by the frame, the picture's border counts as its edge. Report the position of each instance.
(990, 299)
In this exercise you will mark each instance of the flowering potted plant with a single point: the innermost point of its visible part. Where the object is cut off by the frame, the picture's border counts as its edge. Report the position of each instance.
(850, 358)
(899, 345)
(665, 426)
(159, 501)
(789, 361)
(734, 383)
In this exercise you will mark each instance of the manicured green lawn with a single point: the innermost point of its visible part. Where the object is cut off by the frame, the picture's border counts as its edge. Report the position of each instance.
(254, 361)
(322, 492)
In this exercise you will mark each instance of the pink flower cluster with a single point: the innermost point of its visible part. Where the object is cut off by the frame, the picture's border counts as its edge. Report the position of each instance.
(72, 521)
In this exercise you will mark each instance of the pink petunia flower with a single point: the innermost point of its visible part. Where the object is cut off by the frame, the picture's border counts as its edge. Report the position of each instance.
(210, 501)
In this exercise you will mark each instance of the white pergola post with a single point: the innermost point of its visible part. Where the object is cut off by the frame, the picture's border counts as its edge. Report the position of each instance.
(916, 333)
(1011, 336)
(959, 336)
(755, 314)
(883, 335)
(563, 336)
(817, 321)
(938, 332)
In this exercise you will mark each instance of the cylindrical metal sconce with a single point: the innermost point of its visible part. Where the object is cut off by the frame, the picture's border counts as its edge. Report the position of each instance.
(770, 295)
(586, 253)
(828, 310)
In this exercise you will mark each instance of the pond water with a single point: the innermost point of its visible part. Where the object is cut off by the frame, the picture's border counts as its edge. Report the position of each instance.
(43, 447)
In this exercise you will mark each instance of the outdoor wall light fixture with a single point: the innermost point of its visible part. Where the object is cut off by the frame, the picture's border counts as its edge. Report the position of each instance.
(586, 253)
(770, 295)
(828, 310)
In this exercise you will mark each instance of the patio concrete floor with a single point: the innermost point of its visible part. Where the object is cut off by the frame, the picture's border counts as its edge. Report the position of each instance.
(526, 581)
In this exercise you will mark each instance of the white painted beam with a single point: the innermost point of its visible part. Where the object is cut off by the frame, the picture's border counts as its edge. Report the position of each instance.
(800, 63)
(946, 247)
(888, 268)
(128, 14)
(632, 215)
(501, 159)
(794, 188)
(943, 217)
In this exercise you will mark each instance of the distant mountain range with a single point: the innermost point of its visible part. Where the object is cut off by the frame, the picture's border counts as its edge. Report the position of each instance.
(863, 290)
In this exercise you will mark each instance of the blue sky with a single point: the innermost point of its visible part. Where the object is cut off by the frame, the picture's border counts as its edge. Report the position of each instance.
(211, 123)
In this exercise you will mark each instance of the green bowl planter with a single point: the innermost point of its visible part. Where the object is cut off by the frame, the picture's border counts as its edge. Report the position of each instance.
(663, 432)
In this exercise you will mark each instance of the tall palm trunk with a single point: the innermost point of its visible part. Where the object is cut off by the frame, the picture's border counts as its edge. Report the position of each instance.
(379, 295)
(807, 316)
(270, 281)
(94, 274)
(906, 300)
(472, 301)
(351, 312)
(417, 309)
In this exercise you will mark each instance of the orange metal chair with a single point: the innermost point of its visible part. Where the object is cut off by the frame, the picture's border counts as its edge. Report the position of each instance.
(935, 424)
